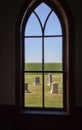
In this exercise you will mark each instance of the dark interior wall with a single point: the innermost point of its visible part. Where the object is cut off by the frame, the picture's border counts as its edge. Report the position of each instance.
(8, 15)
(76, 9)
(9, 11)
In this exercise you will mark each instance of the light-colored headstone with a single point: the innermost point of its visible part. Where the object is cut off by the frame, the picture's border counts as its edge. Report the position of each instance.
(37, 81)
(49, 79)
(54, 87)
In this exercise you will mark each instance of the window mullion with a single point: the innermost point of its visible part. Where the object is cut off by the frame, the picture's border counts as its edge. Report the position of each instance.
(43, 67)
(46, 36)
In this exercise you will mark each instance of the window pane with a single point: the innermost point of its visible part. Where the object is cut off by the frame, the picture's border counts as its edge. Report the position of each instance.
(53, 53)
(53, 26)
(33, 26)
(33, 93)
(42, 10)
(53, 90)
(33, 54)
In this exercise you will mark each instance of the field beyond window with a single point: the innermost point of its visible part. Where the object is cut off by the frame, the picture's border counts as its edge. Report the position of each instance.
(53, 90)
(47, 66)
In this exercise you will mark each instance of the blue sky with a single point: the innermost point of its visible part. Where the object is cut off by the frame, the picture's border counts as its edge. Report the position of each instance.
(52, 46)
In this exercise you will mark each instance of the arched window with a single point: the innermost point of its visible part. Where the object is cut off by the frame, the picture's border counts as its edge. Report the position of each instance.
(44, 63)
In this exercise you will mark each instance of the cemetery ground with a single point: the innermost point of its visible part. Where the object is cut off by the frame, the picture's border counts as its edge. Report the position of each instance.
(34, 97)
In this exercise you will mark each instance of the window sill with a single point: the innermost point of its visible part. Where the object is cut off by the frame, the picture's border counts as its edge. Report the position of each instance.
(39, 112)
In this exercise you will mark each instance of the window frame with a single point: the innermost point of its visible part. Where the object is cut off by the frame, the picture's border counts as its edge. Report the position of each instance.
(63, 13)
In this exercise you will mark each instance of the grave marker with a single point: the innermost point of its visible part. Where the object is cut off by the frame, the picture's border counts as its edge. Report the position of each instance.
(54, 87)
(49, 79)
(37, 81)
(26, 88)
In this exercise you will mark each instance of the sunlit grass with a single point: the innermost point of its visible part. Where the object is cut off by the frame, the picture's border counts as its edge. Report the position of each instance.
(34, 97)
(47, 66)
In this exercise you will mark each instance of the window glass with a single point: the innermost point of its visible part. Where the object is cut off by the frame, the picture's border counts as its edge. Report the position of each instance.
(42, 11)
(53, 53)
(33, 54)
(53, 90)
(33, 90)
(33, 26)
(53, 26)
(43, 74)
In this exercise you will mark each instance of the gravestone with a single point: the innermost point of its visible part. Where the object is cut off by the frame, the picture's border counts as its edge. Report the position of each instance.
(37, 81)
(54, 87)
(49, 79)
(26, 88)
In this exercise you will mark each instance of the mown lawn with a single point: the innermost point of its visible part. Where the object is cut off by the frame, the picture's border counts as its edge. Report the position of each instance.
(34, 97)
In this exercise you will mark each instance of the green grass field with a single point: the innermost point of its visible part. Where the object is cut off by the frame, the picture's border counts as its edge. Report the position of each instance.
(47, 66)
(34, 97)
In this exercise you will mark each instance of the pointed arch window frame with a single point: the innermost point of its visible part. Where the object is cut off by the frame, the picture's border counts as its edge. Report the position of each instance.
(43, 71)
(66, 24)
